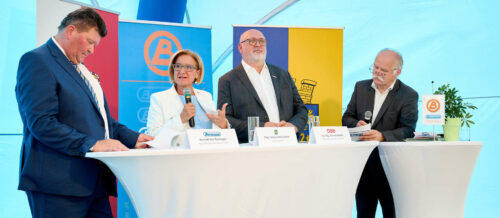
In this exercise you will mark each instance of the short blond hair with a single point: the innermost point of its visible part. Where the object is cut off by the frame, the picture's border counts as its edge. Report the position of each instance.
(195, 56)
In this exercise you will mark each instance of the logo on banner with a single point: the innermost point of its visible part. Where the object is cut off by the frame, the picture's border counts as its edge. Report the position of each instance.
(433, 105)
(142, 114)
(433, 113)
(162, 45)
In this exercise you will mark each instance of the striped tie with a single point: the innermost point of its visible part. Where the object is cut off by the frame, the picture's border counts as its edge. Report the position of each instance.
(87, 82)
(94, 96)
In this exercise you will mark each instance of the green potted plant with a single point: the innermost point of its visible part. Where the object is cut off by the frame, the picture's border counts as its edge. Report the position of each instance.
(456, 112)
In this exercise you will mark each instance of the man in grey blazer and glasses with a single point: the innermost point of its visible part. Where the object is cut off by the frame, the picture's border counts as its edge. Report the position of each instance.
(395, 113)
(257, 88)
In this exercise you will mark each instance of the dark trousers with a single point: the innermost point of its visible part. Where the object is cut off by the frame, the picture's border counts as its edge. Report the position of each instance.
(96, 205)
(373, 187)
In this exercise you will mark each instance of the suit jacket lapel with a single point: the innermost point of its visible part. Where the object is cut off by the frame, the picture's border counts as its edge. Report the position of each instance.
(370, 101)
(245, 81)
(174, 101)
(63, 61)
(205, 103)
(387, 102)
(276, 83)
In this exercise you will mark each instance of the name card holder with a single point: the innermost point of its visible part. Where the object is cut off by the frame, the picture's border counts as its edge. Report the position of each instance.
(329, 135)
(211, 138)
(275, 136)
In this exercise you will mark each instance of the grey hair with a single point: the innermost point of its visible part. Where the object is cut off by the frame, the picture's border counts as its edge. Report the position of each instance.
(399, 57)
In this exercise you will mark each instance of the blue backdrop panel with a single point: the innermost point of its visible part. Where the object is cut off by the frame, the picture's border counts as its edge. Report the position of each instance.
(277, 48)
(144, 51)
(162, 10)
(137, 80)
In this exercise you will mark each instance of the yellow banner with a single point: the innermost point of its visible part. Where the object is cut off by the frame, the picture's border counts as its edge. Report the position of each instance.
(315, 62)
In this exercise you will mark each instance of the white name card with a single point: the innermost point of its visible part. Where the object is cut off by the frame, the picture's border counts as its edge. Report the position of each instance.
(211, 138)
(433, 108)
(275, 136)
(329, 135)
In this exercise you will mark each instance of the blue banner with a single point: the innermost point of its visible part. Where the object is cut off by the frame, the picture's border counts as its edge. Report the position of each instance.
(145, 49)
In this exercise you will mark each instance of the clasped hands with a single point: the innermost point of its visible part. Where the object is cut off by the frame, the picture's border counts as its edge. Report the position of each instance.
(372, 135)
(280, 124)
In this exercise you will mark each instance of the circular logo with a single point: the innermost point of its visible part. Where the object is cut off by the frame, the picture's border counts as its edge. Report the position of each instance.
(433, 105)
(162, 47)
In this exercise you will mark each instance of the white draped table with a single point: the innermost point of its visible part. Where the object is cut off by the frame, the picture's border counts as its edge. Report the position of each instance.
(429, 179)
(290, 181)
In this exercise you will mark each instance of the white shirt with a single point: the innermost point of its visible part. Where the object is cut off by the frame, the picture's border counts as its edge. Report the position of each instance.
(265, 90)
(379, 99)
(95, 86)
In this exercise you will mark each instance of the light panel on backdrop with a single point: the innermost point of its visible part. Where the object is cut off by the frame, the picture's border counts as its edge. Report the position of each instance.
(314, 57)
(17, 35)
(145, 51)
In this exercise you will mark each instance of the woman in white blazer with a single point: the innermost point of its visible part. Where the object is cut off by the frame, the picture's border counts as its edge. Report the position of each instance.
(168, 108)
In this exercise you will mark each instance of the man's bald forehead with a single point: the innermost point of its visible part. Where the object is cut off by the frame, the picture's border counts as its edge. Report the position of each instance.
(250, 31)
(394, 54)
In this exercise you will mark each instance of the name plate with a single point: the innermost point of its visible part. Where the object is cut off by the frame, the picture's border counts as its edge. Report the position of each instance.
(211, 138)
(275, 136)
(329, 135)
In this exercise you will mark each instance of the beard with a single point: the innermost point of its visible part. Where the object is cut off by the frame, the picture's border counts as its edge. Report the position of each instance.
(258, 57)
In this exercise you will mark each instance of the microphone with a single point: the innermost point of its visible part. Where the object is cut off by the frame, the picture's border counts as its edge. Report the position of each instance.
(187, 95)
(368, 116)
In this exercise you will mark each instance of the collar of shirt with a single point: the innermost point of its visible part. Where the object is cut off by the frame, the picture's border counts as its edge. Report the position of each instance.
(387, 90)
(60, 48)
(250, 69)
(379, 99)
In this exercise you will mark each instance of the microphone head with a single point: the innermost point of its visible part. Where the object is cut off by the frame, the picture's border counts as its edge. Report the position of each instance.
(187, 92)
(368, 115)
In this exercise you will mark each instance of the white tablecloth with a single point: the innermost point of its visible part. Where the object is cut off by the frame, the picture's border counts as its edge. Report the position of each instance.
(429, 179)
(304, 181)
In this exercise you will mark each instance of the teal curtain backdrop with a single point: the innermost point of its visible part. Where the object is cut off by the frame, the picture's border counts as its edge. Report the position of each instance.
(453, 41)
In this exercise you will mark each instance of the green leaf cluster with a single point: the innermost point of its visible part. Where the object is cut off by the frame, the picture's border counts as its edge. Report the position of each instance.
(455, 106)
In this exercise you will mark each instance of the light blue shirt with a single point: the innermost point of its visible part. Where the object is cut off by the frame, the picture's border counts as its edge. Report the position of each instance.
(201, 120)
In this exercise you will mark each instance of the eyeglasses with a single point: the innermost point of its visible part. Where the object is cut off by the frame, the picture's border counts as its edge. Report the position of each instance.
(253, 41)
(380, 71)
(188, 67)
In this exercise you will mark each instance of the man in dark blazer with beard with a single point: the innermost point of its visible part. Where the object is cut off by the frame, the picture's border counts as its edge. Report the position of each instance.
(65, 115)
(256, 88)
(395, 114)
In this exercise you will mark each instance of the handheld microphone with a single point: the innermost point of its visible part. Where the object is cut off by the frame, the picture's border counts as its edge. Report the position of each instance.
(187, 96)
(368, 116)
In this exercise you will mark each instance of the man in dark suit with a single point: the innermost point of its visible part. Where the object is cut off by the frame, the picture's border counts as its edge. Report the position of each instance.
(257, 88)
(395, 114)
(65, 115)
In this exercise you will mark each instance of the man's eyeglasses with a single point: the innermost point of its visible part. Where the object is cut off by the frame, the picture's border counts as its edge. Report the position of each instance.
(188, 67)
(253, 41)
(380, 71)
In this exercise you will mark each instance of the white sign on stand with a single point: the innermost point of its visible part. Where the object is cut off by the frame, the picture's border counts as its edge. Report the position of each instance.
(433, 109)
(329, 135)
(211, 138)
(275, 136)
